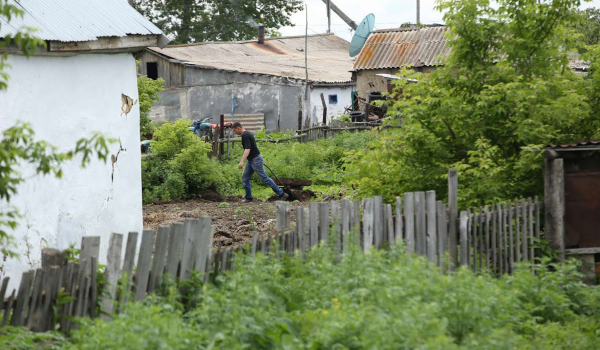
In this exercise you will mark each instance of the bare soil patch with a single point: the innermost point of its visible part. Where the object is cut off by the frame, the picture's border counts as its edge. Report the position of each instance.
(234, 221)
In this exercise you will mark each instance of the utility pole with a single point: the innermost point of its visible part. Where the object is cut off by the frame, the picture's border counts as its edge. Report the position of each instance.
(342, 15)
(328, 16)
(418, 12)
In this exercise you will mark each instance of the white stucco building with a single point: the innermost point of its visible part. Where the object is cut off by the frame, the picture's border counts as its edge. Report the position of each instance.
(66, 91)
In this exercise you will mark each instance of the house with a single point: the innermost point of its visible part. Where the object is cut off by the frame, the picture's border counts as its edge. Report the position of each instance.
(83, 81)
(422, 49)
(388, 50)
(264, 78)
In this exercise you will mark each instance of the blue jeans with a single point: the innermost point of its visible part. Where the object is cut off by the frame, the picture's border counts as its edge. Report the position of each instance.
(256, 166)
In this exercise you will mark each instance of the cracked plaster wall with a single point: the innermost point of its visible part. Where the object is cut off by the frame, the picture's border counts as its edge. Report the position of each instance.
(65, 99)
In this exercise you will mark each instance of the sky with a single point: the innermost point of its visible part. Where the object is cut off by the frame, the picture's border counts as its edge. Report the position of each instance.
(388, 14)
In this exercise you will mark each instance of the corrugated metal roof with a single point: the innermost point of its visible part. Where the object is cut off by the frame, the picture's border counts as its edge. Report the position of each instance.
(78, 20)
(395, 48)
(578, 144)
(328, 57)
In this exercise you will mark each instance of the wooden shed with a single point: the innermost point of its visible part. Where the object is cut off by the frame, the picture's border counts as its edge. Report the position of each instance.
(572, 201)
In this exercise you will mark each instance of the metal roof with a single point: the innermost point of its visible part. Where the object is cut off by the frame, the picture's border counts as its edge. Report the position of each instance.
(78, 20)
(404, 47)
(579, 145)
(328, 58)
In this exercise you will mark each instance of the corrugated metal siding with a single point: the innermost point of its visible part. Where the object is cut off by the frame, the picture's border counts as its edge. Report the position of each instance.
(78, 20)
(328, 57)
(403, 48)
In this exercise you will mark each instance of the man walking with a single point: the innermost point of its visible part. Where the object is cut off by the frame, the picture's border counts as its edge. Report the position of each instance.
(255, 164)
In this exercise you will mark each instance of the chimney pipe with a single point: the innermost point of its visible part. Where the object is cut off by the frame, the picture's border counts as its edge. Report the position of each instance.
(261, 34)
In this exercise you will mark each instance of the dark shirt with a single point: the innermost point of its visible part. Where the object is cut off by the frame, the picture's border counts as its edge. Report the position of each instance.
(248, 142)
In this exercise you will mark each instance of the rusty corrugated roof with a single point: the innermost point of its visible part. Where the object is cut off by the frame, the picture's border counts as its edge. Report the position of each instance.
(578, 144)
(395, 48)
(328, 58)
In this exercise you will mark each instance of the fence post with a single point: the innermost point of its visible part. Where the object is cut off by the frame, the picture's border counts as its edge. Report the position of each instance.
(431, 228)
(159, 259)
(453, 208)
(378, 220)
(282, 216)
(368, 224)
(113, 262)
(421, 223)
(464, 239)
(442, 227)
(389, 224)
(175, 245)
(346, 211)
(324, 222)
(143, 265)
(399, 230)
(313, 208)
(409, 217)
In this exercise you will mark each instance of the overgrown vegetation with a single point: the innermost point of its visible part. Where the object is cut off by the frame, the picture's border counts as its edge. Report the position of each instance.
(383, 300)
(149, 91)
(505, 92)
(181, 167)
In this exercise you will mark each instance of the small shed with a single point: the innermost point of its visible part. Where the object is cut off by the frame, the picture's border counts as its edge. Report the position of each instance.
(572, 198)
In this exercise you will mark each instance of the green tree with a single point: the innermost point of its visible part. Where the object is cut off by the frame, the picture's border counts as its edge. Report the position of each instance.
(18, 145)
(504, 93)
(588, 25)
(188, 21)
(149, 91)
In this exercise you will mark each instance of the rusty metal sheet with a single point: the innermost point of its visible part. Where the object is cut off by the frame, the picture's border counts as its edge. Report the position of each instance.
(582, 204)
(395, 48)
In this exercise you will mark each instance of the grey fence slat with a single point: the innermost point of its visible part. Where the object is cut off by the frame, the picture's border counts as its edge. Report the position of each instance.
(90, 246)
(499, 232)
(432, 251)
(224, 258)
(175, 247)
(399, 221)
(442, 228)
(204, 244)
(464, 239)
(409, 217)
(3, 291)
(488, 217)
(346, 212)
(517, 232)
(313, 209)
(300, 228)
(160, 258)
(324, 222)
(282, 215)
(356, 217)
(531, 232)
(263, 245)
(378, 221)
(453, 214)
(336, 223)
(511, 238)
(51, 280)
(368, 217)
(65, 310)
(143, 265)
(494, 239)
(421, 224)
(505, 239)
(254, 243)
(475, 237)
(538, 223)
(84, 267)
(306, 240)
(470, 239)
(93, 291)
(128, 263)
(18, 316)
(8, 308)
(73, 289)
(36, 294)
(480, 233)
(187, 256)
(524, 230)
(111, 273)
(389, 221)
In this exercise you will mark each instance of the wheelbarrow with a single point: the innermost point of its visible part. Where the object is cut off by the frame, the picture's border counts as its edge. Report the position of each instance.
(294, 188)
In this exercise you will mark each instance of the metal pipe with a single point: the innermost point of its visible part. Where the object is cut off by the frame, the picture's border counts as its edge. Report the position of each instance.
(261, 34)
(342, 15)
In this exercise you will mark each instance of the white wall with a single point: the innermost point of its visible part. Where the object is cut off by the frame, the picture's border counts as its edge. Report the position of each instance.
(67, 98)
(344, 96)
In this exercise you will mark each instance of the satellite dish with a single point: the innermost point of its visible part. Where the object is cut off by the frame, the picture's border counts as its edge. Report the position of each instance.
(362, 34)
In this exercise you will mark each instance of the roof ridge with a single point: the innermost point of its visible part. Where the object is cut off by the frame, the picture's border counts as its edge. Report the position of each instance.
(251, 41)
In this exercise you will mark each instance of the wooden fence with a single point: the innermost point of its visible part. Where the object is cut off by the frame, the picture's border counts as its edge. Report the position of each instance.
(326, 131)
(492, 238)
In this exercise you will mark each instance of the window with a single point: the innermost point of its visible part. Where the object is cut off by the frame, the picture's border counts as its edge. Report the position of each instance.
(152, 70)
(332, 99)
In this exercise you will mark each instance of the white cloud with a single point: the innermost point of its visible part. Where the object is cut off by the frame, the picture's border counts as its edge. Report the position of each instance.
(388, 14)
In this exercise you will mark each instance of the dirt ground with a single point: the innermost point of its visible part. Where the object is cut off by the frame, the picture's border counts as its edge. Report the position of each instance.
(234, 221)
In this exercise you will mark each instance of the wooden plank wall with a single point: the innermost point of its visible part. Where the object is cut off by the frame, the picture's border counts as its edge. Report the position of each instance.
(491, 239)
